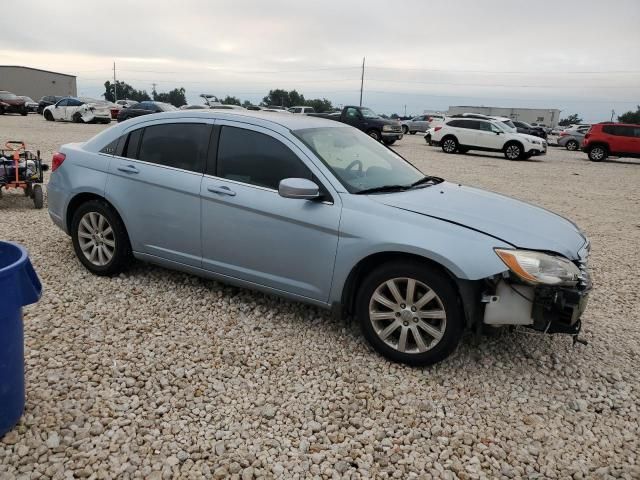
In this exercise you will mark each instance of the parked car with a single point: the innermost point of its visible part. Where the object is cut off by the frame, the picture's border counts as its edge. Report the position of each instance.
(572, 138)
(416, 124)
(79, 110)
(524, 127)
(11, 103)
(144, 108)
(506, 122)
(32, 107)
(302, 110)
(46, 101)
(462, 134)
(348, 224)
(616, 139)
(368, 121)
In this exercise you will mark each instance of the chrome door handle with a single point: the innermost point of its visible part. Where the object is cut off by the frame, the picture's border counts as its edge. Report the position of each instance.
(128, 169)
(222, 190)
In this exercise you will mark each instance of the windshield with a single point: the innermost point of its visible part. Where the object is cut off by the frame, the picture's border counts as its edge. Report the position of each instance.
(509, 125)
(368, 113)
(358, 161)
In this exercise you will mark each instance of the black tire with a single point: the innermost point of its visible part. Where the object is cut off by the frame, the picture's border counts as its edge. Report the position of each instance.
(122, 250)
(412, 132)
(28, 190)
(38, 196)
(449, 145)
(1, 110)
(405, 129)
(375, 134)
(427, 138)
(48, 116)
(388, 141)
(441, 285)
(513, 151)
(24, 112)
(598, 153)
(77, 118)
(572, 145)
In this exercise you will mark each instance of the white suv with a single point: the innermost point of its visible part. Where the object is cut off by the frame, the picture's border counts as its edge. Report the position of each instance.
(462, 134)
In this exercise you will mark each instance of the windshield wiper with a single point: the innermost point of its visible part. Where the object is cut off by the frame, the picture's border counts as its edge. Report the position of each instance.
(384, 188)
(427, 179)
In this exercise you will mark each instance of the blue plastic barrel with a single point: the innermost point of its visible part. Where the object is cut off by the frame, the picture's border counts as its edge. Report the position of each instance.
(19, 286)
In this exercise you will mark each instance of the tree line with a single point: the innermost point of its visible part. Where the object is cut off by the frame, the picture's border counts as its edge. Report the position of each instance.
(277, 97)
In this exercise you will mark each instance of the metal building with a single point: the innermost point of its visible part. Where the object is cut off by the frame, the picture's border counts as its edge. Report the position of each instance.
(547, 116)
(36, 83)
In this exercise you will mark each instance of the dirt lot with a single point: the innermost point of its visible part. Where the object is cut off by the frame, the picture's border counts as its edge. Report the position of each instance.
(159, 374)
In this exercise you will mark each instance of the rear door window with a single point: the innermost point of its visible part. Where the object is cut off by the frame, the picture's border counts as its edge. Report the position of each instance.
(132, 144)
(257, 159)
(177, 145)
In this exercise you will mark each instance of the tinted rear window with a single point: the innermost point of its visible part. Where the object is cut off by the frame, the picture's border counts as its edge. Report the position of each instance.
(178, 145)
(619, 130)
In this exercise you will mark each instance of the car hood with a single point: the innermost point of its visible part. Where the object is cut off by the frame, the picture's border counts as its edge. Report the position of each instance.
(512, 221)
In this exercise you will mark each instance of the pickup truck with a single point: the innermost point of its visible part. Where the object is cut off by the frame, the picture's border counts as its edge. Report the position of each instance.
(365, 119)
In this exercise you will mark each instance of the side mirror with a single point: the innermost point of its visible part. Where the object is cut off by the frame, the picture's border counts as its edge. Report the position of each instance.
(299, 188)
(498, 133)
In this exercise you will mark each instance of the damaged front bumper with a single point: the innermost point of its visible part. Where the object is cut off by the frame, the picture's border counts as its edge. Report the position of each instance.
(544, 308)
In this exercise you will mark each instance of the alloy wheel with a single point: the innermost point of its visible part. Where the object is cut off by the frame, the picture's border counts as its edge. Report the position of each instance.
(96, 238)
(597, 153)
(513, 152)
(572, 146)
(407, 315)
(449, 146)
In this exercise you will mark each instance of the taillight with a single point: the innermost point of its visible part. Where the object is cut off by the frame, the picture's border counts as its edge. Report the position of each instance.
(57, 160)
(430, 119)
(587, 135)
(562, 134)
(436, 129)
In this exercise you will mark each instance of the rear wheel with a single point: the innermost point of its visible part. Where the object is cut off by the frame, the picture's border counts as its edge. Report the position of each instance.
(572, 145)
(100, 239)
(77, 117)
(513, 151)
(449, 145)
(598, 153)
(48, 116)
(410, 313)
(38, 196)
(405, 129)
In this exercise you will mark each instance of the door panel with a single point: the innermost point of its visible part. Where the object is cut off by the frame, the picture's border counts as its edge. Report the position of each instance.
(157, 191)
(160, 206)
(252, 233)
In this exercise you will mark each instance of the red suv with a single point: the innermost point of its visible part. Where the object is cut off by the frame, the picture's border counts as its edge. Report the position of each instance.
(617, 139)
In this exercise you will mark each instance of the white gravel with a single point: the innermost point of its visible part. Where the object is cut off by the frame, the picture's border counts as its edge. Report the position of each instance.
(157, 374)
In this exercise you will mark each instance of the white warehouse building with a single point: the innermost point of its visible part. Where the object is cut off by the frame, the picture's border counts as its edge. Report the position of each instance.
(547, 116)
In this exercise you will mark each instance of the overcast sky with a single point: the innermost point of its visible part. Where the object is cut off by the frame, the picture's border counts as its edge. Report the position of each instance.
(579, 56)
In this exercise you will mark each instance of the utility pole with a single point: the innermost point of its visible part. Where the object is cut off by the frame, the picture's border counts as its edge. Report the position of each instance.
(405, 110)
(613, 112)
(362, 81)
(153, 92)
(115, 85)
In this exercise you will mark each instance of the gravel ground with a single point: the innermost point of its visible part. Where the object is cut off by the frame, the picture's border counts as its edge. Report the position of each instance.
(159, 374)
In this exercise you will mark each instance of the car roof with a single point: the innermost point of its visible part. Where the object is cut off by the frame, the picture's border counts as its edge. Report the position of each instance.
(271, 120)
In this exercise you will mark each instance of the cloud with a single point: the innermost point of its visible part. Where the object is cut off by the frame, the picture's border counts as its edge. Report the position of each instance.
(454, 49)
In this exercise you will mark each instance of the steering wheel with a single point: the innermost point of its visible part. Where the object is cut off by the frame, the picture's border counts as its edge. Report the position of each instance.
(353, 164)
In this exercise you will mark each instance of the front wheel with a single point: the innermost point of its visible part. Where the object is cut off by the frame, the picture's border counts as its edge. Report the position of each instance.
(100, 239)
(410, 313)
(48, 116)
(597, 153)
(513, 151)
(572, 145)
(375, 135)
(389, 141)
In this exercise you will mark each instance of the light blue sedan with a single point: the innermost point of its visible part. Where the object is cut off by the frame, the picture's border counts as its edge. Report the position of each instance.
(316, 211)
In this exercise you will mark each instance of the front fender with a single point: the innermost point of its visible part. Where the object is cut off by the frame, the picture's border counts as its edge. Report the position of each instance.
(466, 253)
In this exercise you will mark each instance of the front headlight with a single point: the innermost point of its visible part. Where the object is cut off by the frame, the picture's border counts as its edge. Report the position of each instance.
(388, 128)
(535, 142)
(540, 268)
